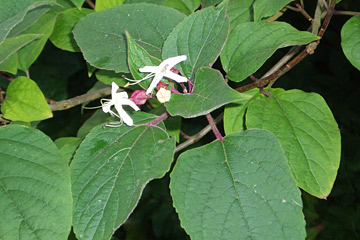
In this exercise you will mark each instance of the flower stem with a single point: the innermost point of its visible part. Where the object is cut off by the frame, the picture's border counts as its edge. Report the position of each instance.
(214, 128)
(159, 119)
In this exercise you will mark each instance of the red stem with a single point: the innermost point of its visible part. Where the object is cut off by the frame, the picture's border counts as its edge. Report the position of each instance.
(214, 128)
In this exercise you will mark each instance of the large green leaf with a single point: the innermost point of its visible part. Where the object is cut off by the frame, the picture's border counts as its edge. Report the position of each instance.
(250, 44)
(109, 172)
(200, 37)
(102, 5)
(10, 65)
(308, 133)
(138, 58)
(35, 194)
(13, 12)
(11, 45)
(78, 3)
(25, 102)
(62, 36)
(240, 12)
(67, 146)
(30, 18)
(101, 35)
(28, 54)
(350, 40)
(234, 113)
(184, 6)
(266, 8)
(210, 92)
(108, 77)
(208, 3)
(241, 188)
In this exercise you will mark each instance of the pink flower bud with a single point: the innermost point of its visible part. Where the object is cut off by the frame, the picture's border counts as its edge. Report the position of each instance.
(139, 97)
(162, 85)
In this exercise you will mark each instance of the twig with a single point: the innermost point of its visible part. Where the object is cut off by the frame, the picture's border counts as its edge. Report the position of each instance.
(310, 48)
(159, 119)
(346, 13)
(90, 3)
(304, 13)
(214, 127)
(6, 76)
(277, 15)
(72, 102)
(184, 135)
(193, 139)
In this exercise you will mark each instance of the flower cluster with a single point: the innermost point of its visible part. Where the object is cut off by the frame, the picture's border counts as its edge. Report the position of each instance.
(118, 99)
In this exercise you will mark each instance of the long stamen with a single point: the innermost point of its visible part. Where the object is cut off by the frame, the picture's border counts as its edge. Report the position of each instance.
(92, 107)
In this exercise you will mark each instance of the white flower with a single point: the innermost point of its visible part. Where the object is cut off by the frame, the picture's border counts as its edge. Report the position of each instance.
(163, 95)
(119, 99)
(163, 70)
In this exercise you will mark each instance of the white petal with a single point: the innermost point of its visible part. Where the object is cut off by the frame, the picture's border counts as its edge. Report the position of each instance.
(114, 88)
(130, 103)
(152, 69)
(154, 83)
(171, 62)
(125, 117)
(175, 77)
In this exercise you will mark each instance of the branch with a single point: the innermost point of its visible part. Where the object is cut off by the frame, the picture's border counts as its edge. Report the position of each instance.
(199, 135)
(72, 102)
(310, 48)
(214, 127)
(90, 3)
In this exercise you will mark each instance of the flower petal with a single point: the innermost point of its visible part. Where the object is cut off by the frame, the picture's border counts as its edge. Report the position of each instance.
(175, 77)
(171, 62)
(154, 82)
(114, 88)
(124, 116)
(152, 69)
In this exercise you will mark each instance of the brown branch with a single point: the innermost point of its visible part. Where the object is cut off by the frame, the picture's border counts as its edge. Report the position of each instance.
(90, 3)
(72, 102)
(310, 48)
(304, 13)
(193, 139)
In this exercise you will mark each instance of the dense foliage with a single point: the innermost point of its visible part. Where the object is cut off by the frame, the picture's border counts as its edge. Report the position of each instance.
(278, 75)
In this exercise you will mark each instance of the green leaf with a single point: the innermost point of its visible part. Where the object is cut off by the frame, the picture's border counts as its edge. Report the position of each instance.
(200, 37)
(11, 45)
(28, 54)
(67, 147)
(240, 12)
(25, 102)
(208, 3)
(250, 44)
(210, 92)
(62, 36)
(234, 114)
(158, 2)
(350, 40)
(109, 172)
(30, 18)
(78, 3)
(138, 58)
(101, 5)
(10, 65)
(266, 8)
(108, 77)
(13, 12)
(308, 133)
(184, 6)
(35, 186)
(241, 188)
(101, 35)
